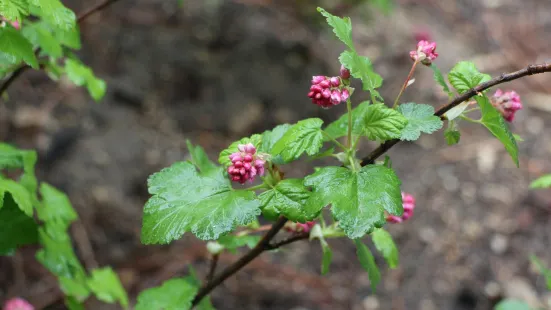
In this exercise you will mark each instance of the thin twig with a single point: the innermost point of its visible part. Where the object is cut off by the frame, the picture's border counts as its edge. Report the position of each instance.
(212, 268)
(81, 17)
(506, 77)
(242, 262)
(297, 237)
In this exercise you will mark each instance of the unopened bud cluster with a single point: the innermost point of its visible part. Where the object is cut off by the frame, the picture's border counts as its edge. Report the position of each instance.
(246, 164)
(299, 227)
(15, 24)
(408, 202)
(17, 304)
(425, 53)
(507, 103)
(329, 91)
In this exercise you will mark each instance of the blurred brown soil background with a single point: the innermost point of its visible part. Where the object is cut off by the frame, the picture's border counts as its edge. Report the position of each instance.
(214, 71)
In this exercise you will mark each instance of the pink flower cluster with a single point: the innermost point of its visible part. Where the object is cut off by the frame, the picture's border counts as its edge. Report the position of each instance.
(299, 227)
(246, 164)
(15, 24)
(329, 91)
(17, 304)
(508, 103)
(426, 52)
(408, 202)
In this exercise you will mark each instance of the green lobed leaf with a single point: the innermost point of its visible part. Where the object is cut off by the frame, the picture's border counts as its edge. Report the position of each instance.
(39, 35)
(269, 139)
(224, 157)
(14, 10)
(11, 157)
(19, 193)
(452, 136)
(304, 137)
(174, 294)
(82, 75)
(54, 13)
(439, 78)
(73, 304)
(342, 27)
(288, 198)
(205, 204)
(13, 43)
(107, 287)
(361, 68)
(68, 37)
(384, 244)
(464, 76)
(495, 123)
(16, 227)
(382, 123)
(74, 287)
(512, 304)
(420, 118)
(375, 121)
(199, 158)
(368, 263)
(56, 206)
(358, 199)
(541, 182)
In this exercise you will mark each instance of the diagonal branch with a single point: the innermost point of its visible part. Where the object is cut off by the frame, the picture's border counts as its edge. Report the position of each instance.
(506, 77)
(81, 17)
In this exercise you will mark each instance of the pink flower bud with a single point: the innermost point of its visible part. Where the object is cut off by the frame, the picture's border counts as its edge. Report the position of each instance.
(426, 52)
(336, 97)
(345, 94)
(326, 93)
(317, 79)
(345, 73)
(250, 149)
(335, 81)
(325, 84)
(408, 203)
(248, 158)
(17, 304)
(507, 103)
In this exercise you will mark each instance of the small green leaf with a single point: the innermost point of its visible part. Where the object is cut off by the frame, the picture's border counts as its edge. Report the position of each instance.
(224, 157)
(512, 304)
(339, 128)
(56, 206)
(205, 204)
(358, 199)
(384, 244)
(420, 118)
(541, 182)
(368, 263)
(73, 304)
(68, 37)
(199, 158)
(439, 78)
(495, 123)
(304, 137)
(55, 13)
(452, 136)
(82, 75)
(288, 198)
(233, 242)
(14, 10)
(518, 138)
(382, 123)
(465, 76)
(361, 68)
(269, 139)
(107, 287)
(75, 287)
(13, 43)
(16, 228)
(342, 27)
(174, 294)
(39, 35)
(20, 195)
(10, 157)
(326, 259)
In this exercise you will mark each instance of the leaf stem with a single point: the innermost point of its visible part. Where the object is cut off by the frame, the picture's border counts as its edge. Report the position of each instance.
(405, 84)
(468, 119)
(259, 186)
(337, 143)
(349, 136)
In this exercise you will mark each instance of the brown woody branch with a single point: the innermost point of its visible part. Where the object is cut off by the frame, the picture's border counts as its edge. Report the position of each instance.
(505, 77)
(81, 17)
